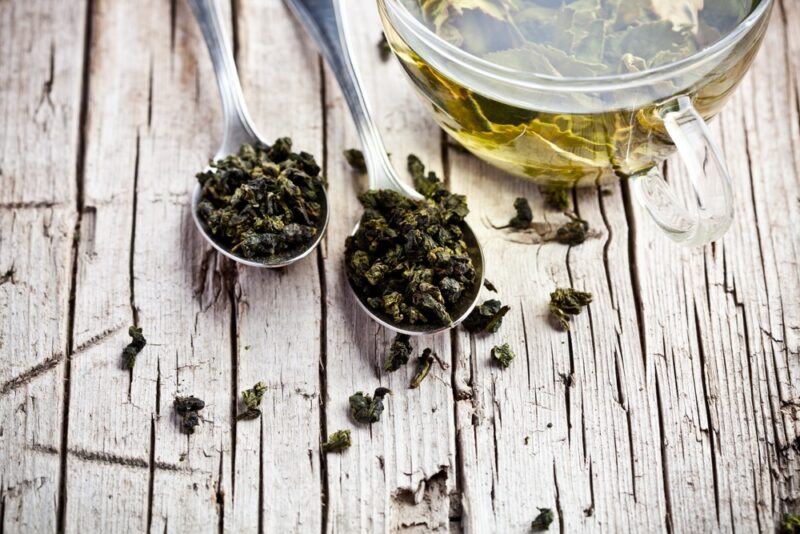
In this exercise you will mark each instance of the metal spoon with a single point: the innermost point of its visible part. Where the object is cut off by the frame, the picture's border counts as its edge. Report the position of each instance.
(238, 128)
(324, 21)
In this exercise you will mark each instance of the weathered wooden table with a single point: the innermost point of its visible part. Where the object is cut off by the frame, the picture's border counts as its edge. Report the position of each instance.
(672, 405)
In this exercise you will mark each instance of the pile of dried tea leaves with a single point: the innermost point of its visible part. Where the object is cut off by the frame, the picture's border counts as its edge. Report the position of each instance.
(408, 257)
(263, 203)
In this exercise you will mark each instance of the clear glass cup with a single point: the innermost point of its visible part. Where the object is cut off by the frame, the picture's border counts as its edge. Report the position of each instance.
(626, 124)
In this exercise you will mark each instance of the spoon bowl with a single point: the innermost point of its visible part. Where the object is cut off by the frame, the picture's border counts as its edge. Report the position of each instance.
(323, 20)
(463, 307)
(279, 260)
(239, 130)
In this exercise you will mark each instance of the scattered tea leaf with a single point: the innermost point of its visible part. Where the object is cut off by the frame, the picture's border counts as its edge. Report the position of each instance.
(337, 442)
(188, 409)
(424, 363)
(524, 217)
(565, 303)
(503, 354)
(487, 317)
(573, 232)
(488, 285)
(133, 348)
(399, 352)
(264, 202)
(355, 158)
(543, 520)
(790, 524)
(368, 409)
(555, 197)
(251, 398)
(384, 48)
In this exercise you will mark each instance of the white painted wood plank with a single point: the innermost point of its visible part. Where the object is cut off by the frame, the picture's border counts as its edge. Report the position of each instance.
(715, 321)
(411, 450)
(150, 127)
(278, 472)
(40, 97)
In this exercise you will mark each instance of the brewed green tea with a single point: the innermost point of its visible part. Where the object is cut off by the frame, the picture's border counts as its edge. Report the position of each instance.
(572, 137)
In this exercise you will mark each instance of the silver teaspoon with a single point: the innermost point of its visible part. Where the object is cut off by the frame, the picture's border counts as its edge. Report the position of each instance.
(323, 20)
(237, 129)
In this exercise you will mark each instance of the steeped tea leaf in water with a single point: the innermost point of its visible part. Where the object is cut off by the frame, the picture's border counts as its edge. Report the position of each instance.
(572, 138)
(581, 38)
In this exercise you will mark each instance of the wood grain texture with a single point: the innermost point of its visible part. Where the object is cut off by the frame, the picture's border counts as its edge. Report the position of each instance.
(407, 457)
(41, 80)
(279, 312)
(671, 405)
(151, 124)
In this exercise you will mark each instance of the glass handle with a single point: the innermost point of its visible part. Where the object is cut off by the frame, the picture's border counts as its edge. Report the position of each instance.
(710, 216)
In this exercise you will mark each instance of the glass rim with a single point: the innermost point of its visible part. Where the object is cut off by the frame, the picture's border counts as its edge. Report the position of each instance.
(545, 82)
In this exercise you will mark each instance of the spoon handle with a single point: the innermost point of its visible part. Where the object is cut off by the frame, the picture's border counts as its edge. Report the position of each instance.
(324, 21)
(238, 127)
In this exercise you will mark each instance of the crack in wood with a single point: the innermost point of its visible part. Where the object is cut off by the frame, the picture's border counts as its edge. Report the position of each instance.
(711, 429)
(61, 510)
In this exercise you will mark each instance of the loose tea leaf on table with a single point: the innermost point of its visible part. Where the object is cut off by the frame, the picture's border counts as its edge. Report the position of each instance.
(524, 217)
(384, 49)
(503, 354)
(487, 317)
(338, 441)
(133, 348)
(424, 364)
(368, 409)
(355, 158)
(399, 352)
(543, 520)
(188, 409)
(790, 524)
(555, 197)
(408, 258)
(565, 303)
(573, 232)
(488, 285)
(263, 203)
(251, 398)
